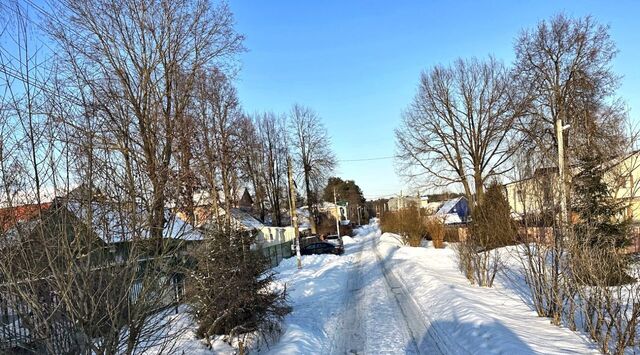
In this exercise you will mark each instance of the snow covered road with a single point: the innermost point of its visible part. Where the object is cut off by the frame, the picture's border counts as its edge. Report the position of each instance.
(375, 321)
(381, 298)
(345, 305)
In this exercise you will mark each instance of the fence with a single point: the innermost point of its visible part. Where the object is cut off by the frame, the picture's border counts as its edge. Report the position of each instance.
(277, 252)
(15, 323)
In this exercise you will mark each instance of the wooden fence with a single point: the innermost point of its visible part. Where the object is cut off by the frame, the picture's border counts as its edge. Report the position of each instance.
(541, 235)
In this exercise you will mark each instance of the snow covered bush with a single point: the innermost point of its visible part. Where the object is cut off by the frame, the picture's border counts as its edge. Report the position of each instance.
(230, 289)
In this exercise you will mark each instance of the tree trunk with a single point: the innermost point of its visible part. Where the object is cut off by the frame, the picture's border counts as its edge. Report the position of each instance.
(310, 202)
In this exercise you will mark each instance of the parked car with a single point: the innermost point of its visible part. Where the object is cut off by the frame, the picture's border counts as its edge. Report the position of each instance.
(322, 248)
(335, 240)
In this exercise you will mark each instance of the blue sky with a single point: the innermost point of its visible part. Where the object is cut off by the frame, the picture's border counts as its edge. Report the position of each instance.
(357, 63)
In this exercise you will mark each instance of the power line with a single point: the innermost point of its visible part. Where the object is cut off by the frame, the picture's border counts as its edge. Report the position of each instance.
(368, 159)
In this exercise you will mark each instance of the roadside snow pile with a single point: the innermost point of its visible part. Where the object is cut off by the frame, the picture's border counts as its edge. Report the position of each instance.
(348, 240)
(179, 336)
(316, 294)
(392, 239)
(473, 319)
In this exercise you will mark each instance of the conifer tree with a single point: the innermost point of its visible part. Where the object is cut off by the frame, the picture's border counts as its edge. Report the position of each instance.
(492, 225)
(599, 223)
(230, 288)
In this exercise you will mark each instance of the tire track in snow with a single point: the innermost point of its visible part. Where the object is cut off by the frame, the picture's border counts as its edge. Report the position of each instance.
(428, 338)
(374, 320)
(348, 339)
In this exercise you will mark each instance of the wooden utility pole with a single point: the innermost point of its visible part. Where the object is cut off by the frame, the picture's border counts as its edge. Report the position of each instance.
(564, 214)
(293, 212)
(335, 202)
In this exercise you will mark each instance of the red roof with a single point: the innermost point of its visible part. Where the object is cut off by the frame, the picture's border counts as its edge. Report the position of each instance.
(10, 216)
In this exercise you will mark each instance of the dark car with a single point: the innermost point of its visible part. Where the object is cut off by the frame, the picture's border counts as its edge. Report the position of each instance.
(321, 248)
(335, 240)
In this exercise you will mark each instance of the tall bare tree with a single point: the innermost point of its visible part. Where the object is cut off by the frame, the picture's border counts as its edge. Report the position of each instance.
(564, 65)
(140, 60)
(127, 70)
(312, 153)
(252, 164)
(459, 125)
(220, 122)
(273, 140)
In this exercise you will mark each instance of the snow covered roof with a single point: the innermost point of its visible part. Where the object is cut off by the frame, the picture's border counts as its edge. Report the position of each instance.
(113, 226)
(448, 205)
(433, 206)
(451, 218)
(242, 219)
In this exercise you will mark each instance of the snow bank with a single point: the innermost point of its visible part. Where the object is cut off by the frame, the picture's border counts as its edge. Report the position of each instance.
(348, 240)
(474, 319)
(391, 239)
(179, 337)
(316, 294)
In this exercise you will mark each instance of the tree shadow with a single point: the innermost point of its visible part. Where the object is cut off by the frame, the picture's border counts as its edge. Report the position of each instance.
(459, 337)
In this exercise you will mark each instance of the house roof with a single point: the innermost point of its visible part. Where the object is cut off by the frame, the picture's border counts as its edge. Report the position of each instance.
(242, 219)
(433, 206)
(114, 226)
(11, 216)
(448, 205)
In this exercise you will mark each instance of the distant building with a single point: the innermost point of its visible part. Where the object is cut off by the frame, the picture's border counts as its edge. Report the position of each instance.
(402, 202)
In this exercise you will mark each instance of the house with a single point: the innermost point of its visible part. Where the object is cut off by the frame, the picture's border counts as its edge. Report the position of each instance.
(401, 202)
(245, 202)
(78, 235)
(539, 192)
(41, 229)
(274, 242)
(341, 211)
(454, 211)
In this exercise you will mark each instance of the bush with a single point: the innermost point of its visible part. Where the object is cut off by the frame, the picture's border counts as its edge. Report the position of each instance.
(436, 231)
(327, 226)
(230, 289)
(452, 234)
(492, 227)
(407, 222)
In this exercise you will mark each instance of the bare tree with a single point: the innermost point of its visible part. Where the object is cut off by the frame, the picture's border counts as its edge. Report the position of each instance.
(312, 153)
(219, 119)
(459, 125)
(140, 61)
(564, 65)
(252, 164)
(88, 271)
(272, 135)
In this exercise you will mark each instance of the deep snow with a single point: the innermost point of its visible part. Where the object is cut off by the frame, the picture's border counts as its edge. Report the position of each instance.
(383, 297)
(345, 304)
(474, 319)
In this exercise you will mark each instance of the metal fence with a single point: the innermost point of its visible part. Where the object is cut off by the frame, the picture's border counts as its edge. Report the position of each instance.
(277, 252)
